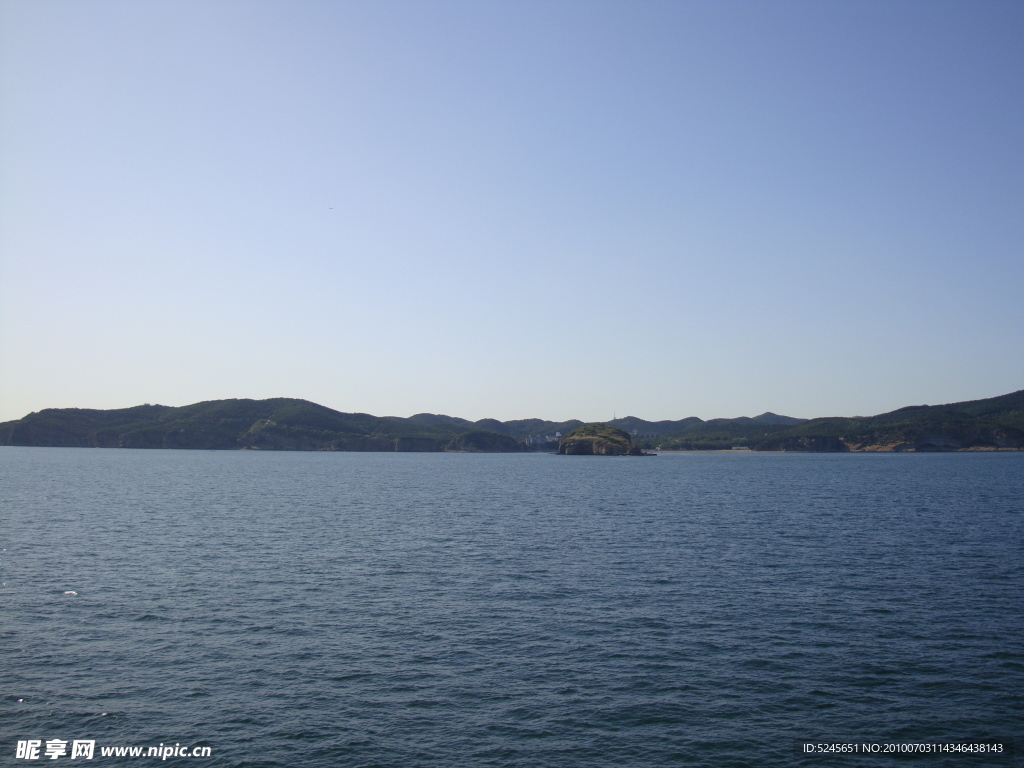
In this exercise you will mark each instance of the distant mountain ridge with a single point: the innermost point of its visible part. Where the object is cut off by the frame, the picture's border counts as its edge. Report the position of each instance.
(773, 418)
(290, 424)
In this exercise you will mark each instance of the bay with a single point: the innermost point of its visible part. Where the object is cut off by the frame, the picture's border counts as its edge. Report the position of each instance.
(349, 609)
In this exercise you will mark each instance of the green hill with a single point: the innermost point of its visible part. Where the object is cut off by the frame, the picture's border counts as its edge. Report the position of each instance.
(991, 424)
(275, 424)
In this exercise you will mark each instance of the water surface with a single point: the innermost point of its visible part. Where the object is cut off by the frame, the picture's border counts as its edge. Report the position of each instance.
(350, 609)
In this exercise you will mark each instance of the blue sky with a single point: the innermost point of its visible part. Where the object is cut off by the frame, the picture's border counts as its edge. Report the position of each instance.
(512, 209)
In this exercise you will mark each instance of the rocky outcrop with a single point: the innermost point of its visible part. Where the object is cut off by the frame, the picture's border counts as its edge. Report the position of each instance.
(598, 440)
(940, 444)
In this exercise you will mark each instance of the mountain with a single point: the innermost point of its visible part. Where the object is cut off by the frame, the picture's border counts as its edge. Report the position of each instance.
(275, 424)
(773, 418)
(290, 424)
(991, 424)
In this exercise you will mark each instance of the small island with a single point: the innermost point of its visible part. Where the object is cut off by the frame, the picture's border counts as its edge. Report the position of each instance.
(599, 440)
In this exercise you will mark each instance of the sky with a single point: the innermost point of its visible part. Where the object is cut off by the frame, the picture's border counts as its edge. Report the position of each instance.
(512, 210)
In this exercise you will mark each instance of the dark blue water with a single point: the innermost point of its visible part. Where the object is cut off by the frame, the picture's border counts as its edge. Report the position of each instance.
(345, 609)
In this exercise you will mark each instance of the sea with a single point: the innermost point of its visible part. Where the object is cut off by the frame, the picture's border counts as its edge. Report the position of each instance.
(325, 610)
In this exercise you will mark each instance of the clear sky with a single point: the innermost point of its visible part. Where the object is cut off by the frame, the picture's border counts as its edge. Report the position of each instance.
(512, 209)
